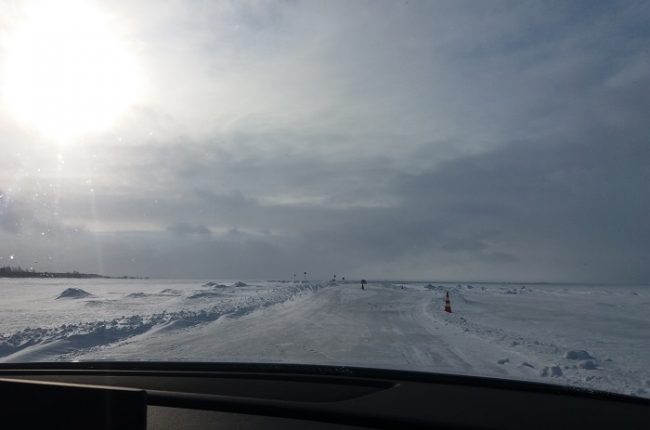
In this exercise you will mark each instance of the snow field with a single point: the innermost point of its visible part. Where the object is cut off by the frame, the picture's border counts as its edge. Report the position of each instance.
(594, 337)
(587, 336)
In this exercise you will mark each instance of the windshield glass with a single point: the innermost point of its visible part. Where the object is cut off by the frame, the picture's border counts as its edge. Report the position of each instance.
(444, 186)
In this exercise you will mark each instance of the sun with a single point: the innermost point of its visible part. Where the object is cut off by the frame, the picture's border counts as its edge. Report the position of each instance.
(66, 70)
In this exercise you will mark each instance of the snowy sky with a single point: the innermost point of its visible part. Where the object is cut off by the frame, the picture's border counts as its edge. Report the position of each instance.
(460, 140)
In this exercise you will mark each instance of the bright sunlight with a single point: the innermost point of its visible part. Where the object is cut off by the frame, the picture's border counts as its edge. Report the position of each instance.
(66, 70)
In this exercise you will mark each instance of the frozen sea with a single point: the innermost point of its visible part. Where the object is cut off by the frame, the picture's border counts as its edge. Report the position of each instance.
(592, 336)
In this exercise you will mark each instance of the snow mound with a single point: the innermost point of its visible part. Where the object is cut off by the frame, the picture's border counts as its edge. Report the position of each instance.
(578, 354)
(239, 284)
(202, 294)
(170, 292)
(94, 303)
(73, 293)
(136, 295)
(214, 285)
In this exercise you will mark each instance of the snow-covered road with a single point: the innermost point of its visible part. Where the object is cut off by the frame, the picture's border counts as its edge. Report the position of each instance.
(590, 336)
(341, 324)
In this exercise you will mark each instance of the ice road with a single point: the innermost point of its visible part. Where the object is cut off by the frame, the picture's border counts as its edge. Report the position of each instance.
(589, 336)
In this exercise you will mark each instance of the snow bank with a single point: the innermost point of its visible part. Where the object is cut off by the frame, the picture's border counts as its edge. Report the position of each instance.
(67, 341)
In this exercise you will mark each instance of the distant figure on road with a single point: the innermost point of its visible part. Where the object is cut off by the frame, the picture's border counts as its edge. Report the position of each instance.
(363, 283)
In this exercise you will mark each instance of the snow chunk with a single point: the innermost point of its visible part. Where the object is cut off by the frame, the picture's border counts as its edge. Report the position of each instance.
(554, 371)
(136, 295)
(504, 361)
(588, 365)
(578, 354)
(73, 293)
(239, 284)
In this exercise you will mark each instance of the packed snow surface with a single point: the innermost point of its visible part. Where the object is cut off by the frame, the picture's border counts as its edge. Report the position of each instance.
(588, 336)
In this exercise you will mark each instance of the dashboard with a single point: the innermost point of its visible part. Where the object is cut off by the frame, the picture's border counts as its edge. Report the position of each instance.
(233, 395)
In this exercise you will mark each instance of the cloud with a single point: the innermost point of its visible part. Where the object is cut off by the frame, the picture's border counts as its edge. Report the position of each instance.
(183, 229)
(447, 140)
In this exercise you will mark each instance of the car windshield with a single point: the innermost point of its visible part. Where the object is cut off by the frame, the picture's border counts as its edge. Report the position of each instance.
(458, 187)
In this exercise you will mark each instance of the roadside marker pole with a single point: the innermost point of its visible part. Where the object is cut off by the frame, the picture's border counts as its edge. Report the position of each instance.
(447, 303)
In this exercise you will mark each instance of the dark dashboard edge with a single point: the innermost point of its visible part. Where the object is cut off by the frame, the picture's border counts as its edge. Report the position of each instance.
(316, 373)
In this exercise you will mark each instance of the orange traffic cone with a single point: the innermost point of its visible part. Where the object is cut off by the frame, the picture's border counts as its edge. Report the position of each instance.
(447, 303)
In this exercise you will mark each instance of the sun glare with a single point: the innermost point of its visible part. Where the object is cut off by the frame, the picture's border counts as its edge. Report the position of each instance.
(66, 70)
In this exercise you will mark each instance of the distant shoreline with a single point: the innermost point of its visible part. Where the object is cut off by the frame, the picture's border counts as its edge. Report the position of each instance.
(9, 272)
